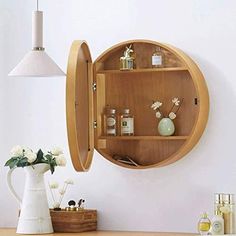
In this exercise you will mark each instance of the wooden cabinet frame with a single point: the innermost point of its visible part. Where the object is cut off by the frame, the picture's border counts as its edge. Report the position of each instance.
(93, 86)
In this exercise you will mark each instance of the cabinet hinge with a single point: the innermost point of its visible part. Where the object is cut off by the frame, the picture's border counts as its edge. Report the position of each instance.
(95, 124)
(94, 87)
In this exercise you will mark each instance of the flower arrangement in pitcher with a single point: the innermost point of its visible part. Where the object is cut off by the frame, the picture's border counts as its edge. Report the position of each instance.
(23, 156)
(57, 196)
(176, 103)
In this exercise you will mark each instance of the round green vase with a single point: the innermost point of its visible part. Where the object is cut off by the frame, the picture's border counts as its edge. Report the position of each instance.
(166, 127)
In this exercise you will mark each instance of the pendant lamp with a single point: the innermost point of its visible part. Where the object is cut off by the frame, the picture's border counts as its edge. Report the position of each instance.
(37, 63)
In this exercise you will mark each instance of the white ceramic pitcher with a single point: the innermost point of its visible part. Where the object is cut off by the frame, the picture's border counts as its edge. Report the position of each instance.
(34, 216)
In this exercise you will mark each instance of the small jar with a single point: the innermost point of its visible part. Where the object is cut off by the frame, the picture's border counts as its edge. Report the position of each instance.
(126, 123)
(158, 58)
(110, 122)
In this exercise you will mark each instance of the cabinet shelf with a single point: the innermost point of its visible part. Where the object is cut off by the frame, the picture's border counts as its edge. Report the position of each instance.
(143, 137)
(143, 70)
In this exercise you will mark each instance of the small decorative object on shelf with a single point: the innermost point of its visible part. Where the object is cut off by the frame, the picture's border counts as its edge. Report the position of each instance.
(166, 126)
(126, 123)
(81, 204)
(57, 201)
(158, 58)
(204, 224)
(34, 206)
(127, 61)
(110, 122)
(228, 211)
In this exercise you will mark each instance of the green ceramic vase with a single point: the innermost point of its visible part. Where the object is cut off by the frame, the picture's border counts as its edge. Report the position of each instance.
(166, 127)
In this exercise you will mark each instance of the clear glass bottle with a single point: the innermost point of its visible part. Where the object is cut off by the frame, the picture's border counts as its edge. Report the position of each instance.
(158, 58)
(110, 122)
(126, 123)
(204, 224)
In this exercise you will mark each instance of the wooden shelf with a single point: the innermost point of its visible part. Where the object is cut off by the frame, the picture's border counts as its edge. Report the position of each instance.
(143, 70)
(144, 137)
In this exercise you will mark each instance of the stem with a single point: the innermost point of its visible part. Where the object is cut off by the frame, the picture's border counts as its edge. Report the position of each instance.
(51, 193)
(64, 190)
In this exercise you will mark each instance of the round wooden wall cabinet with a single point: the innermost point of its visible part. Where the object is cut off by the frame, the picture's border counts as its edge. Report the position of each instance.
(92, 87)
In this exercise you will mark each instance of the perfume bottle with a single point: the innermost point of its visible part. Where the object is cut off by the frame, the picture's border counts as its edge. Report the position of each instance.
(158, 58)
(228, 214)
(217, 223)
(126, 123)
(110, 122)
(204, 224)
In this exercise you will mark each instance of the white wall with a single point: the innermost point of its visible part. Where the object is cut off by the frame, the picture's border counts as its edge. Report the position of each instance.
(32, 111)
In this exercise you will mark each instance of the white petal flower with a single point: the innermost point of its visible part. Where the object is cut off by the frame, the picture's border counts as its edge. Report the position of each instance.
(17, 151)
(30, 155)
(69, 181)
(60, 160)
(56, 205)
(61, 191)
(156, 105)
(172, 115)
(56, 151)
(158, 114)
(53, 185)
(174, 100)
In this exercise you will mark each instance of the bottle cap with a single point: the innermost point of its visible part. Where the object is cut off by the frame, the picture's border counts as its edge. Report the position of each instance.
(218, 198)
(204, 215)
(229, 198)
(126, 111)
(111, 111)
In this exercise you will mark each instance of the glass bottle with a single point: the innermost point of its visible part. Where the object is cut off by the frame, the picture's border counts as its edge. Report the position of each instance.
(218, 203)
(204, 224)
(158, 58)
(217, 223)
(228, 214)
(110, 122)
(126, 123)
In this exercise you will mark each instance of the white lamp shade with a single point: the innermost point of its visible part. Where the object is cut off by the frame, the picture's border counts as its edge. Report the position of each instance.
(36, 64)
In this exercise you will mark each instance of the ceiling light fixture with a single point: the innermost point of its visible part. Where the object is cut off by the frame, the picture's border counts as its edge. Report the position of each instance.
(37, 63)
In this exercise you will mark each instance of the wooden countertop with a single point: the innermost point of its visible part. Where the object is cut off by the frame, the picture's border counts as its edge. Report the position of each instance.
(12, 232)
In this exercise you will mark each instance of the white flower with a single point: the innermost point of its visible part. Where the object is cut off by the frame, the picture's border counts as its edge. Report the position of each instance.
(53, 185)
(69, 181)
(62, 191)
(17, 151)
(56, 151)
(176, 101)
(30, 155)
(156, 105)
(158, 114)
(60, 160)
(56, 205)
(172, 115)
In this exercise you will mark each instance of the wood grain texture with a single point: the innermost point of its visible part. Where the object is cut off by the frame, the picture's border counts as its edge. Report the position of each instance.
(12, 232)
(180, 77)
(79, 112)
(74, 221)
(136, 89)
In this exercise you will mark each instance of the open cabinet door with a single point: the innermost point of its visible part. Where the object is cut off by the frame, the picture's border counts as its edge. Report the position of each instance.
(79, 106)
